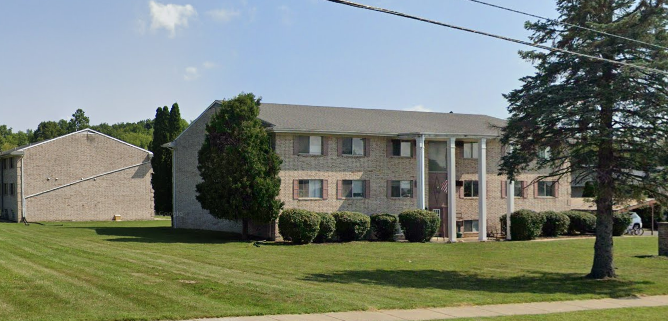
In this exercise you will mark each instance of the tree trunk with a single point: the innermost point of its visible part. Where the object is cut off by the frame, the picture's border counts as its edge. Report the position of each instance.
(603, 266)
(244, 229)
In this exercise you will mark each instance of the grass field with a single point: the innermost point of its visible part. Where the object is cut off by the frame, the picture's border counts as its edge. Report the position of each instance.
(644, 314)
(146, 271)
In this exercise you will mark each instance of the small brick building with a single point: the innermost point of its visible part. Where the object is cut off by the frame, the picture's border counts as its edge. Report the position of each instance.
(377, 161)
(82, 176)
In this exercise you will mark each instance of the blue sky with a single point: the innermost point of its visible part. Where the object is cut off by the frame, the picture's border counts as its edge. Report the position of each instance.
(119, 60)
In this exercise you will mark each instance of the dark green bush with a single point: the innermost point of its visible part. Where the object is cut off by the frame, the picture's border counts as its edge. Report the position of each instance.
(298, 226)
(580, 222)
(526, 225)
(327, 226)
(419, 225)
(351, 226)
(621, 222)
(384, 226)
(555, 223)
(502, 220)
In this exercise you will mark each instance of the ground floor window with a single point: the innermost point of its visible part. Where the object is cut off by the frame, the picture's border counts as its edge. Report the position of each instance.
(401, 189)
(546, 189)
(519, 189)
(353, 188)
(470, 189)
(310, 188)
(471, 226)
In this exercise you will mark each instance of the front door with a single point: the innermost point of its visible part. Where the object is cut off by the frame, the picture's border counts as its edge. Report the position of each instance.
(438, 182)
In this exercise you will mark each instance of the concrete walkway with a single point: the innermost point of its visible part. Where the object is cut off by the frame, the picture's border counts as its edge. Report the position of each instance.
(464, 312)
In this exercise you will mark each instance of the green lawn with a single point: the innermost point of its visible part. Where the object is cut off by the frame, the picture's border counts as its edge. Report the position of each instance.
(145, 271)
(641, 314)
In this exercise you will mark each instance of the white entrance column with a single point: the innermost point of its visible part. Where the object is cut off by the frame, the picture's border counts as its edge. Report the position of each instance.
(452, 192)
(420, 172)
(482, 189)
(510, 194)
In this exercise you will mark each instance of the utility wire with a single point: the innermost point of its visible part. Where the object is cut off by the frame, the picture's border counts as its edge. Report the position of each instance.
(568, 24)
(526, 43)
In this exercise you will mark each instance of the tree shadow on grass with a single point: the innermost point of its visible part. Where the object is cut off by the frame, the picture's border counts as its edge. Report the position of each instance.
(532, 282)
(164, 235)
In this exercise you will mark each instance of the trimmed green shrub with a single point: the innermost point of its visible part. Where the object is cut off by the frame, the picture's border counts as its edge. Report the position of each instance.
(419, 225)
(298, 226)
(351, 226)
(327, 226)
(384, 226)
(621, 222)
(502, 220)
(580, 222)
(526, 225)
(555, 223)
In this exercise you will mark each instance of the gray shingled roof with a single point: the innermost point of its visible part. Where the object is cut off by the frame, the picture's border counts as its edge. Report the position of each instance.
(299, 118)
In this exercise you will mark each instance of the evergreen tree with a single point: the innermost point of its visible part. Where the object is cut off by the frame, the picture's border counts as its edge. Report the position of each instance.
(78, 121)
(161, 163)
(597, 118)
(239, 169)
(175, 122)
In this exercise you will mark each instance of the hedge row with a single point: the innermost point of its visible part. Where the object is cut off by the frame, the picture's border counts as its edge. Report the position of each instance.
(527, 225)
(302, 227)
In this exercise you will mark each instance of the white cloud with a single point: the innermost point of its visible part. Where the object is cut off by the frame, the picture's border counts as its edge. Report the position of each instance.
(191, 74)
(209, 65)
(286, 15)
(170, 16)
(223, 15)
(418, 108)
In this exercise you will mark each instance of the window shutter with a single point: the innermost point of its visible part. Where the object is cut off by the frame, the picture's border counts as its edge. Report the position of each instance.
(295, 145)
(461, 191)
(325, 189)
(367, 147)
(414, 184)
(556, 189)
(535, 189)
(389, 148)
(339, 189)
(295, 189)
(504, 189)
(325, 146)
(339, 146)
(367, 189)
(525, 193)
(389, 189)
(413, 149)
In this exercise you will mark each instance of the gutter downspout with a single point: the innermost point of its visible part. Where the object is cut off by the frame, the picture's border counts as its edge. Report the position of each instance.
(23, 194)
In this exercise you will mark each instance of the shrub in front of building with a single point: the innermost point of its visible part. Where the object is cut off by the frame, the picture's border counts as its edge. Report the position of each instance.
(351, 226)
(620, 222)
(580, 222)
(298, 226)
(555, 223)
(384, 226)
(526, 225)
(419, 225)
(327, 226)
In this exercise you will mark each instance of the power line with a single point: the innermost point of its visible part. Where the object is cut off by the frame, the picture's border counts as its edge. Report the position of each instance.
(526, 43)
(568, 24)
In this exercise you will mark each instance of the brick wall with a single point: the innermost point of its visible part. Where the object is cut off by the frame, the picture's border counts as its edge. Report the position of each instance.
(11, 203)
(80, 156)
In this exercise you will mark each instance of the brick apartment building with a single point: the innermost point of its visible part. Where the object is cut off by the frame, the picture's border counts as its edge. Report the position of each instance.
(82, 176)
(377, 161)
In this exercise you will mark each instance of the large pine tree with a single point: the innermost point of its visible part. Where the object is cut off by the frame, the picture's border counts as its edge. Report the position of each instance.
(161, 163)
(239, 169)
(598, 119)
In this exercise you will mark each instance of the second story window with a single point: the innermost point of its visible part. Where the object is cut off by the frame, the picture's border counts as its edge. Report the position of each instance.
(519, 189)
(352, 146)
(309, 145)
(470, 150)
(353, 189)
(401, 148)
(470, 189)
(544, 153)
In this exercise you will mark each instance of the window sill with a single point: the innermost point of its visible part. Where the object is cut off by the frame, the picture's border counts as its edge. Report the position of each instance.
(351, 198)
(470, 197)
(311, 155)
(401, 198)
(546, 197)
(352, 156)
(310, 199)
(407, 157)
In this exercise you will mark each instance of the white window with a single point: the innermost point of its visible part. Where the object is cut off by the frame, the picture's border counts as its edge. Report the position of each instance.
(401, 189)
(402, 148)
(353, 188)
(353, 146)
(470, 188)
(311, 145)
(471, 226)
(471, 150)
(310, 188)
